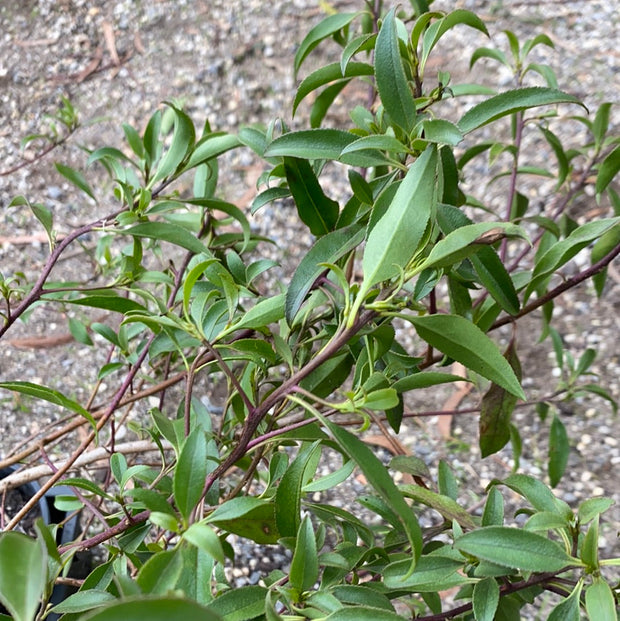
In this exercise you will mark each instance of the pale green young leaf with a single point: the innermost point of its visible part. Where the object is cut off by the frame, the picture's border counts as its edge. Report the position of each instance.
(600, 603)
(568, 608)
(588, 550)
(240, 604)
(204, 537)
(183, 138)
(592, 507)
(390, 77)
(166, 231)
(394, 239)
(23, 574)
(210, 147)
(460, 339)
(160, 573)
(263, 313)
(441, 131)
(510, 102)
(432, 574)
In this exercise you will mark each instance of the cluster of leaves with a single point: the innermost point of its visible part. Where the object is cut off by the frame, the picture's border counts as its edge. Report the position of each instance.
(181, 273)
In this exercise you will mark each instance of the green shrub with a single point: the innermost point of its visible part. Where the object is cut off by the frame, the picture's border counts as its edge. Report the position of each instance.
(300, 362)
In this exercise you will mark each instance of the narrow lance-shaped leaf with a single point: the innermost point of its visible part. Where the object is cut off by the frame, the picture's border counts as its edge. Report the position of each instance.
(324, 29)
(460, 339)
(514, 548)
(394, 239)
(485, 599)
(496, 410)
(315, 209)
(169, 232)
(327, 249)
(600, 603)
(379, 478)
(510, 102)
(305, 564)
(390, 76)
(608, 169)
(559, 449)
(76, 178)
(190, 472)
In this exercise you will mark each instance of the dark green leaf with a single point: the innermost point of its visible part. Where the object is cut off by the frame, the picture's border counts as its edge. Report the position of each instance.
(568, 609)
(159, 575)
(607, 171)
(84, 600)
(510, 102)
(304, 570)
(76, 178)
(495, 279)
(153, 609)
(247, 517)
(390, 76)
(493, 514)
(166, 231)
(424, 380)
(315, 209)
(327, 74)
(559, 449)
(324, 29)
(536, 492)
(511, 547)
(466, 343)
(496, 410)
(190, 472)
(210, 147)
(363, 613)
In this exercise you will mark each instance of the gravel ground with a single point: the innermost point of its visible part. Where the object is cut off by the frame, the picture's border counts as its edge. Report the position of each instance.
(230, 61)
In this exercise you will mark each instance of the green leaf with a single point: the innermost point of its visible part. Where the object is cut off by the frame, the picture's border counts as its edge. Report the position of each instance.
(361, 595)
(113, 303)
(166, 231)
(76, 178)
(559, 449)
(568, 609)
(444, 505)
(315, 209)
(493, 514)
(204, 537)
(467, 240)
(411, 465)
(49, 395)
(390, 76)
(41, 213)
(393, 240)
(304, 570)
(562, 251)
(363, 613)
(592, 507)
(496, 410)
(381, 143)
(210, 147)
(263, 313)
(441, 26)
(600, 604)
(321, 144)
(183, 138)
(324, 29)
(159, 575)
(424, 380)
(84, 600)
(190, 472)
(461, 340)
(288, 494)
(249, 517)
(23, 574)
(153, 609)
(514, 548)
(607, 171)
(379, 478)
(485, 599)
(326, 74)
(327, 249)
(511, 102)
(495, 279)
(237, 604)
(432, 574)
(588, 550)
(79, 331)
(441, 131)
